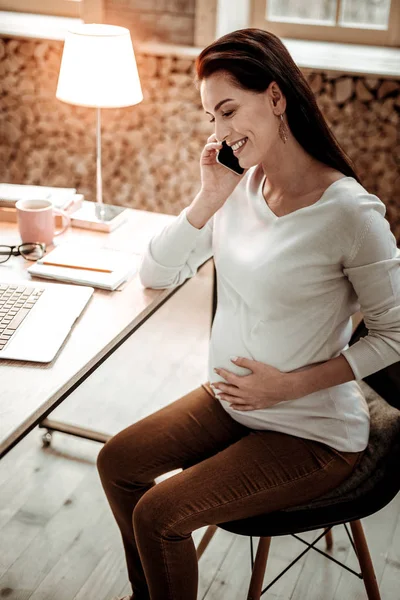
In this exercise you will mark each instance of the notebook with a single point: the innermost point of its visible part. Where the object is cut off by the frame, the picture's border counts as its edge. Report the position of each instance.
(87, 265)
(8, 214)
(10, 193)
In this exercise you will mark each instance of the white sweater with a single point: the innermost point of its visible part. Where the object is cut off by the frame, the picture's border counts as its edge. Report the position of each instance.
(287, 287)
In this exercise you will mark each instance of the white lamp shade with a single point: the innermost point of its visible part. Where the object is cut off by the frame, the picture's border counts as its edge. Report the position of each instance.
(98, 68)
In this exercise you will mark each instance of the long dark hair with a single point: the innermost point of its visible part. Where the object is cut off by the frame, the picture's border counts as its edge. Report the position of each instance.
(254, 58)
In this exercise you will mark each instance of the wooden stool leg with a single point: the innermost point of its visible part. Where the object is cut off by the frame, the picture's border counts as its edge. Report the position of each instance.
(329, 539)
(205, 540)
(364, 558)
(260, 563)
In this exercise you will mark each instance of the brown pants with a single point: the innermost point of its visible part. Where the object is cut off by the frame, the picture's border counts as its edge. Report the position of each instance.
(229, 472)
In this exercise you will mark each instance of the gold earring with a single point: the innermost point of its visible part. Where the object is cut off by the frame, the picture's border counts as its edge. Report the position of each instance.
(283, 131)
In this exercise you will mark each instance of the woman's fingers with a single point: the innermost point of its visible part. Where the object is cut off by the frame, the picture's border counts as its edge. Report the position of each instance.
(213, 146)
(232, 390)
(210, 150)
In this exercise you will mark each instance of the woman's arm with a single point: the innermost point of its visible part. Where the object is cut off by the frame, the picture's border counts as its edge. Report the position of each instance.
(175, 253)
(328, 374)
(374, 272)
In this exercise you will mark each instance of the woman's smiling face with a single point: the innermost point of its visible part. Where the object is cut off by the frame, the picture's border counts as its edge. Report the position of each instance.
(246, 120)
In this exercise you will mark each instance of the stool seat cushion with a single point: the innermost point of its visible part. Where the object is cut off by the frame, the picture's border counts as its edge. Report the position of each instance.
(373, 483)
(383, 438)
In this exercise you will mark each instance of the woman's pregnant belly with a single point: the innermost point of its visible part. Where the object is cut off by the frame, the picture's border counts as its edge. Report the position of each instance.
(340, 408)
(238, 332)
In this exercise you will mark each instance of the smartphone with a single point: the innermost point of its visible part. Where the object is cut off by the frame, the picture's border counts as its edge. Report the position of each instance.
(226, 158)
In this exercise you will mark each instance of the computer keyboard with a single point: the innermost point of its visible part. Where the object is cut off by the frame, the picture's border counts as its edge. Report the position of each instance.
(15, 303)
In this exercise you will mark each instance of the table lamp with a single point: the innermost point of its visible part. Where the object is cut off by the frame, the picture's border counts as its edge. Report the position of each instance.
(98, 69)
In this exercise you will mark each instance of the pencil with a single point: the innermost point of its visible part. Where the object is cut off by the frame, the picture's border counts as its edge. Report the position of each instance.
(45, 262)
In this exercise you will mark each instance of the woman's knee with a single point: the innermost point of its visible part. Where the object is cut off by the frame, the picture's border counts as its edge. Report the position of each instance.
(111, 458)
(157, 511)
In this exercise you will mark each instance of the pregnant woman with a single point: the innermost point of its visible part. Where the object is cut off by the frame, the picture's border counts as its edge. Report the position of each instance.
(299, 246)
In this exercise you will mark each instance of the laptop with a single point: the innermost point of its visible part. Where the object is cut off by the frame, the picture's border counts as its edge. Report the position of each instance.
(36, 318)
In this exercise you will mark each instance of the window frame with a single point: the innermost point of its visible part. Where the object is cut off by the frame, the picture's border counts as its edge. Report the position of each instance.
(214, 18)
(88, 10)
(205, 22)
(211, 21)
(330, 33)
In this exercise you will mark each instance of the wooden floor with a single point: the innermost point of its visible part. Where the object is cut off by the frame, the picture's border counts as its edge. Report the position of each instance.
(58, 539)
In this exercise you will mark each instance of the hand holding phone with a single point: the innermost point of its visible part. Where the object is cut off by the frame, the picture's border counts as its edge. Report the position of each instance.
(217, 183)
(218, 180)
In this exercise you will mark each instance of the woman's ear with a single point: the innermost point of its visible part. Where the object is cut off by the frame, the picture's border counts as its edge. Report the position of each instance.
(277, 99)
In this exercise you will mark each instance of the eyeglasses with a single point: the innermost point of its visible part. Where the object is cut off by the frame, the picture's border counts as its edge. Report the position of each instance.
(32, 251)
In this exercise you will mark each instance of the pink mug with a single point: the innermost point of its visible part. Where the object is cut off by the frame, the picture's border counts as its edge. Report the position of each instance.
(36, 221)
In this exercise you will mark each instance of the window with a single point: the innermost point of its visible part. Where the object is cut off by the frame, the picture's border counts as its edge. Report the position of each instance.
(214, 18)
(87, 10)
(374, 22)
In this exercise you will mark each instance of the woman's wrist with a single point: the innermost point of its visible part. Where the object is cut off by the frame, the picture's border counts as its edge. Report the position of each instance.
(320, 376)
(199, 213)
(296, 385)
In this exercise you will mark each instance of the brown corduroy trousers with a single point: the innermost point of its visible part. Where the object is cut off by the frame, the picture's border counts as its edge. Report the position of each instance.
(229, 472)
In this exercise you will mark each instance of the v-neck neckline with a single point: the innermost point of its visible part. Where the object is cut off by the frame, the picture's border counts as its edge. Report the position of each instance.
(276, 217)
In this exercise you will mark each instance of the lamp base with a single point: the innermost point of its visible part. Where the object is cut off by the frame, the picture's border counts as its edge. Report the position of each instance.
(99, 217)
(107, 212)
